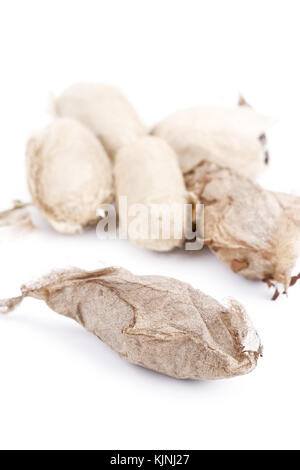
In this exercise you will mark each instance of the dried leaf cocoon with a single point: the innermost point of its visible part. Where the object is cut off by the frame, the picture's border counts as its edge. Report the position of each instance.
(69, 175)
(105, 111)
(254, 231)
(156, 322)
(147, 174)
(231, 137)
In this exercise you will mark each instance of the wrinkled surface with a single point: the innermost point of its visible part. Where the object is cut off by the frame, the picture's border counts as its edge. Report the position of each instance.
(231, 137)
(69, 175)
(147, 173)
(255, 231)
(105, 111)
(153, 321)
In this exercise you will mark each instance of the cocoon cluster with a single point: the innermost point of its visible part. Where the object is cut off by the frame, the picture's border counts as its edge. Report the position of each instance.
(97, 150)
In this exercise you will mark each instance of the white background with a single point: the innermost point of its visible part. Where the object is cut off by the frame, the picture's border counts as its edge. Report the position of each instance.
(60, 387)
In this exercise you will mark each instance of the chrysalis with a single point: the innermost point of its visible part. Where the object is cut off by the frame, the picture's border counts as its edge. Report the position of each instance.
(153, 321)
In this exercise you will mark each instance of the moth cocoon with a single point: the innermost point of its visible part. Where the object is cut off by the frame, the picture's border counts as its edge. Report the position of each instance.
(147, 174)
(69, 175)
(231, 137)
(153, 321)
(254, 231)
(105, 111)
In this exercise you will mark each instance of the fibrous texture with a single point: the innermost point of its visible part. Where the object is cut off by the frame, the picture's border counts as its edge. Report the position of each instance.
(156, 322)
(255, 231)
(18, 217)
(105, 111)
(69, 175)
(148, 175)
(231, 137)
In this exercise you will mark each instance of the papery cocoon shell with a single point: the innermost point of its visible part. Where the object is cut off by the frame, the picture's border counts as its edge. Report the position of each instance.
(147, 173)
(231, 137)
(69, 175)
(255, 231)
(156, 322)
(105, 111)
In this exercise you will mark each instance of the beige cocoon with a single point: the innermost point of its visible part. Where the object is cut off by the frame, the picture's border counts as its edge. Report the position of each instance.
(147, 174)
(69, 175)
(254, 231)
(153, 321)
(230, 137)
(105, 111)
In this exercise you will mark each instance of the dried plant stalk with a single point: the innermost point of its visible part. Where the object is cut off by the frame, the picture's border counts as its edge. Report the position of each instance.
(254, 231)
(231, 137)
(18, 217)
(69, 175)
(156, 322)
(147, 173)
(105, 111)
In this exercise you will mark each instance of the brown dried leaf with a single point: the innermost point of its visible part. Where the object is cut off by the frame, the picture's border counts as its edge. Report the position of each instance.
(153, 321)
